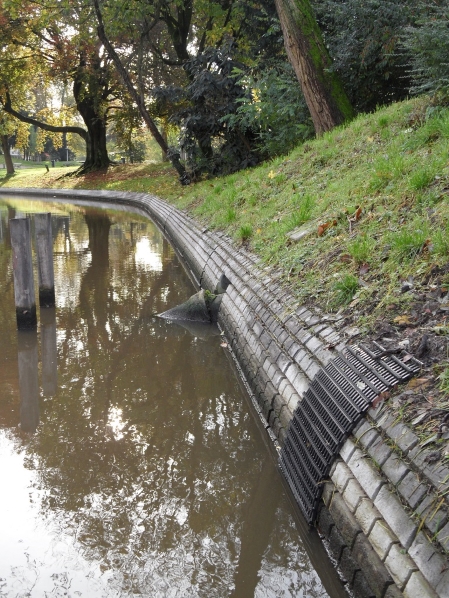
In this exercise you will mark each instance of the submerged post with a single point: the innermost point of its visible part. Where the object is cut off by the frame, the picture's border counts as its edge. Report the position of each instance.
(44, 251)
(49, 352)
(28, 380)
(20, 231)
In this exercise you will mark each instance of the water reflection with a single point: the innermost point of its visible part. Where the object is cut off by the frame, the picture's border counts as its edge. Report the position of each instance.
(147, 475)
(49, 351)
(28, 382)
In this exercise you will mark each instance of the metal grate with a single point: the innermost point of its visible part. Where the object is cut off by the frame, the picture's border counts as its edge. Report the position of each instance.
(334, 403)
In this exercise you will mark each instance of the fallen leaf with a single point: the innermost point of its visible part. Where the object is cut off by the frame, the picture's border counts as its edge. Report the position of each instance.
(346, 258)
(441, 329)
(402, 320)
(323, 227)
(426, 245)
(383, 396)
(416, 383)
(364, 268)
(358, 213)
(421, 417)
(429, 440)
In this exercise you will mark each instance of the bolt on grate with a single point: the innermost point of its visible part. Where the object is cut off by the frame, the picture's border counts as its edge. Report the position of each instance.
(334, 403)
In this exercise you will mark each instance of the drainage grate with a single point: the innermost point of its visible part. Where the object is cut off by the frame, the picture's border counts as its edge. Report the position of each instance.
(334, 403)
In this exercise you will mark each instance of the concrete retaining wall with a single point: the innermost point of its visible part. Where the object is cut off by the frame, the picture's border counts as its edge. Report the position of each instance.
(384, 515)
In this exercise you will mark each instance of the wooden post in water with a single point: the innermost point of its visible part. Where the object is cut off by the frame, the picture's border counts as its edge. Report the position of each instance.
(20, 231)
(44, 251)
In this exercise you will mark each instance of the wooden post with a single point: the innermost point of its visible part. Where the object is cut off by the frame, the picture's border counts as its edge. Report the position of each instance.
(20, 231)
(49, 352)
(28, 380)
(44, 251)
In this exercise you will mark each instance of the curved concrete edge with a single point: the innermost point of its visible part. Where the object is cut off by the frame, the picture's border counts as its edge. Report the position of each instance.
(387, 534)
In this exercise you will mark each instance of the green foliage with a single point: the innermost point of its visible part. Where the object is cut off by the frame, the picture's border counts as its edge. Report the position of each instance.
(304, 210)
(444, 381)
(361, 249)
(211, 145)
(274, 109)
(363, 38)
(245, 232)
(345, 289)
(427, 42)
(440, 241)
(410, 240)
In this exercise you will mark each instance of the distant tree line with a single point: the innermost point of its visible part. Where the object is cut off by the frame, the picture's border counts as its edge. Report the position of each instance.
(234, 81)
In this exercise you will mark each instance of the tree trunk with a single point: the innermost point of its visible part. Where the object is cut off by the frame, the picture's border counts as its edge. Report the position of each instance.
(96, 152)
(89, 104)
(127, 82)
(7, 153)
(324, 94)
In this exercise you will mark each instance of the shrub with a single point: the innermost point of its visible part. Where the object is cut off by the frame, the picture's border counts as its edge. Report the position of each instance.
(274, 110)
(427, 42)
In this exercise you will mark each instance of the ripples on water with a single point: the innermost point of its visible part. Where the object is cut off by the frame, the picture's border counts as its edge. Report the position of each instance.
(131, 463)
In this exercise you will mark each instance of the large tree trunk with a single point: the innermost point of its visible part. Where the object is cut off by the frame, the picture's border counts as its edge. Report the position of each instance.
(7, 153)
(324, 94)
(90, 90)
(96, 152)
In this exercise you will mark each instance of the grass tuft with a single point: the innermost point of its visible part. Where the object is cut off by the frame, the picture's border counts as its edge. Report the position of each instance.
(345, 289)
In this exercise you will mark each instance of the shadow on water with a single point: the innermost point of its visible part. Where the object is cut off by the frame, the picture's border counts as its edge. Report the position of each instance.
(28, 380)
(146, 469)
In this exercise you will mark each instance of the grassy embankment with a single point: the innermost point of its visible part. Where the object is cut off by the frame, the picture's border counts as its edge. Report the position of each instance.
(373, 197)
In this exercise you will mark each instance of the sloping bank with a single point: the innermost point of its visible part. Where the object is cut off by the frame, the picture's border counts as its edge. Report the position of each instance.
(377, 500)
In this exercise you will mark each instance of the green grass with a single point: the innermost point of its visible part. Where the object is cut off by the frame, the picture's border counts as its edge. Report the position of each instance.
(393, 164)
(345, 289)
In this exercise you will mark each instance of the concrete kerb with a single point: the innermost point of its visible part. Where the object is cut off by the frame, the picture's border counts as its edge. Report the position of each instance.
(278, 347)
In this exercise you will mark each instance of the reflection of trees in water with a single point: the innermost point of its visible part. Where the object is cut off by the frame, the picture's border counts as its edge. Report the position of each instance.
(8, 335)
(141, 452)
(164, 479)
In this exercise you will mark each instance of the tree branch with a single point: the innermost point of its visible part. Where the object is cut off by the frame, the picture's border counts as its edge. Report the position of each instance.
(7, 107)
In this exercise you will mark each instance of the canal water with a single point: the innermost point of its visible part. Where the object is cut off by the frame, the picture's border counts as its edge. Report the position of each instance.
(131, 461)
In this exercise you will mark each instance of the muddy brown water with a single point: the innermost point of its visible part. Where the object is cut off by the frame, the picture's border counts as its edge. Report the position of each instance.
(131, 460)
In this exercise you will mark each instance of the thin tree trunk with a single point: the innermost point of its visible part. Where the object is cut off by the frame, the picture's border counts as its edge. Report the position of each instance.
(323, 92)
(165, 137)
(7, 153)
(124, 75)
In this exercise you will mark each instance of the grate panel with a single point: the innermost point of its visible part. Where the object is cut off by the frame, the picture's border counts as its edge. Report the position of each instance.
(311, 451)
(322, 447)
(334, 402)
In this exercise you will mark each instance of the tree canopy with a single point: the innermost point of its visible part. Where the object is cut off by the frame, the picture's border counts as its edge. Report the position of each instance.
(216, 71)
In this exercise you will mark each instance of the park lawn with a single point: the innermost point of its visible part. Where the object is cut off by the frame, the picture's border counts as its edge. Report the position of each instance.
(371, 196)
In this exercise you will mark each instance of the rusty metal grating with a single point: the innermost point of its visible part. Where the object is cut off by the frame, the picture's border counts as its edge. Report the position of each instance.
(334, 403)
